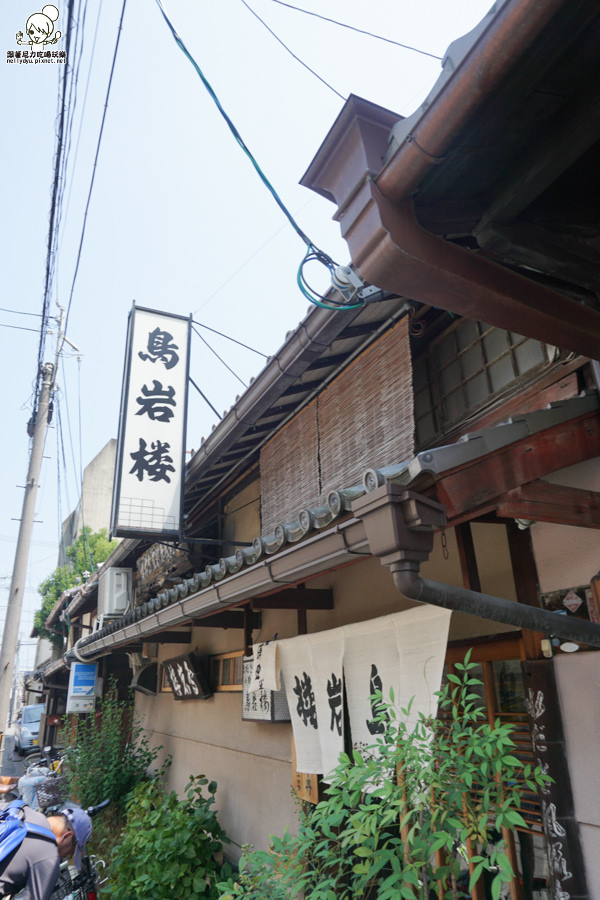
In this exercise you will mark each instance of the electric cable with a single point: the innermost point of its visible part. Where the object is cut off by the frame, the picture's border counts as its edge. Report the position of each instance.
(20, 312)
(71, 105)
(312, 250)
(83, 109)
(61, 536)
(61, 460)
(69, 429)
(53, 210)
(316, 298)
(285, 47)
(95, 165)
(246, 262)
(378, 37)
(20, 328)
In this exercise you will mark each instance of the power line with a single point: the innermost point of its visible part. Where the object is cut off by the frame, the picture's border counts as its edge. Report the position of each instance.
(378, 37)
(19, 312)
(19, 328)
(83, 107)
(53, 212)
(70, 104)
(312, 251)
(89, 197)
(285, 47)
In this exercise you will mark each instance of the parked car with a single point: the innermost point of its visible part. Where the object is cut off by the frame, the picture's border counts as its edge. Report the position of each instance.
(27, 727)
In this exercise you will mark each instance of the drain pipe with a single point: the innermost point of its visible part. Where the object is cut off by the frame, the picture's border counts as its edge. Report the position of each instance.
(400, 526)
(411, 584)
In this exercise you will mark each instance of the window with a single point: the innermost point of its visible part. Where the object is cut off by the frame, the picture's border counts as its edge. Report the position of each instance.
(226, 671)
(464, 368)
(32, 714)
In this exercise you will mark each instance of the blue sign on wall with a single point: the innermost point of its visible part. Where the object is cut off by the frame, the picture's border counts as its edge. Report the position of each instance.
(82, 687)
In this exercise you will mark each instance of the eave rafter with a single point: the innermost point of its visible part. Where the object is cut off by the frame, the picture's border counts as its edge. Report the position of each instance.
(541, 501)
(508, 480)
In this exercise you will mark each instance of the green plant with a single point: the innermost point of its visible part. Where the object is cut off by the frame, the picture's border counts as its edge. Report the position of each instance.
(51, 590)
(90, 548)
(109, 752)
(170, 848)
(403, 818)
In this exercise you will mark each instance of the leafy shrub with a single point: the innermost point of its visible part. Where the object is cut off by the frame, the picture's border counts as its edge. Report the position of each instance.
(109, 753)
(90, 548)
(170, 849)
(403, 818)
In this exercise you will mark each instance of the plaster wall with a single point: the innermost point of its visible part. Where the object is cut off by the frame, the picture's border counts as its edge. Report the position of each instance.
(578, 682)
(242, 516)
(96, 493)
(252, 761)
(568, 556)
(96, 498)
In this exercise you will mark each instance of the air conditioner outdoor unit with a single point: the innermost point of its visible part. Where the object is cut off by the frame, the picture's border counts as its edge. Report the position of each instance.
(114, 591)
(100, 622)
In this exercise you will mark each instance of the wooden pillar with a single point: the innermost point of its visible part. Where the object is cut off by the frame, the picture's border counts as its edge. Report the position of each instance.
(466, 555)
(526, 581)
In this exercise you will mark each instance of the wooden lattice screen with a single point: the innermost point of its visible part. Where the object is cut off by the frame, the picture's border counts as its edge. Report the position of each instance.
(363, 419)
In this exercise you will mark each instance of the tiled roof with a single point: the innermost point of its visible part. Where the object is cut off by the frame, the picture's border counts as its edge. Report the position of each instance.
(339, 502)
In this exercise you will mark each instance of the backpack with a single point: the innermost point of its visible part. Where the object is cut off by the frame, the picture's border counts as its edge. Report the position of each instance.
(13, 829)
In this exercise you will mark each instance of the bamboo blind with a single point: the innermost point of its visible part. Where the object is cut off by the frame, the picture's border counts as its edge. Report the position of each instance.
(289, 466)
(363, 419)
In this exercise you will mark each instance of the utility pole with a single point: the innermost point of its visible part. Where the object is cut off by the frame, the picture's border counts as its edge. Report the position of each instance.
(10, 637)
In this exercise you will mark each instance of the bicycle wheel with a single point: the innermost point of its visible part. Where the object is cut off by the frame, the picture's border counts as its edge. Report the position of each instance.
(32, 758)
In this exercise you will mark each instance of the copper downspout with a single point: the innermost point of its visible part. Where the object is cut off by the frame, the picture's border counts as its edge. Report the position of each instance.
(387, 244)
(408, 581)
(400, 524)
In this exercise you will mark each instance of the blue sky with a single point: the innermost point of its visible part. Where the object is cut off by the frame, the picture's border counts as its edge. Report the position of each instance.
(178, 219)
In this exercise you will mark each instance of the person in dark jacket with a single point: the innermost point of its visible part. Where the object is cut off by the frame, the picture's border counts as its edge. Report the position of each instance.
(33, 867)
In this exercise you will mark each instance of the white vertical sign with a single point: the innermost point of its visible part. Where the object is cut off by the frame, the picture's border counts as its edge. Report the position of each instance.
(149, 473)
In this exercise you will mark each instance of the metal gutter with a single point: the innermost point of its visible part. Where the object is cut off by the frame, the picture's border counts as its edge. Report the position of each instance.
(489, 52)
(312, 543)
(60, 604)
(334, 547)
(373, 191)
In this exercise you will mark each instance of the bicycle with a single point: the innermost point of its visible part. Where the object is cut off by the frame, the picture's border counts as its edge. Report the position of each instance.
(82, 884)
(42, 785)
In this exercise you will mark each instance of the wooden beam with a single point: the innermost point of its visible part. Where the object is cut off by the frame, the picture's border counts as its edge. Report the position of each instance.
(466, 555)
(542, 501)
(526, 582)
(248, 615)
(533, 172)
(302, 623)
(296, 598)
(229, 619)
(486, 480)
(169, 637)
